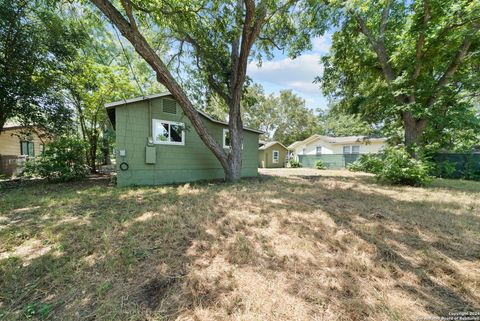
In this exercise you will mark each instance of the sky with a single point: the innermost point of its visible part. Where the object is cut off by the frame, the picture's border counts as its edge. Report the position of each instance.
(296, 74)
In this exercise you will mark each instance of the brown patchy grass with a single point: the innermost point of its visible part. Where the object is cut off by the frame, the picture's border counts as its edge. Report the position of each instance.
(306, 245)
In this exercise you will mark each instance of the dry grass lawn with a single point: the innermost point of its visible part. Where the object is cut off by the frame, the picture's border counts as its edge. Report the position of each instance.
(302, 245)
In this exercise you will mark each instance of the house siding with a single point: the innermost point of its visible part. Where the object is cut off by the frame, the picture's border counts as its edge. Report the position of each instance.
(266, 157)
(174, 163)
(329, 149)
(11, 160)
(332, 153)
(10, 142)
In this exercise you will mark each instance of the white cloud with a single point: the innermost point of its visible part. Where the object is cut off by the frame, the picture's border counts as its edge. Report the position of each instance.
(297, 74)
(322, 44)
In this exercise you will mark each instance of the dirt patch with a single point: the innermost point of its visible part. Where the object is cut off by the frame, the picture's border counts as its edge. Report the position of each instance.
(154, 291)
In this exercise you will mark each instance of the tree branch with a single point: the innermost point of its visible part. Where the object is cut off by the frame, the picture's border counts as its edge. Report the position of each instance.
(452, 68)
(163, 76)
(384, 22)
(419, 48)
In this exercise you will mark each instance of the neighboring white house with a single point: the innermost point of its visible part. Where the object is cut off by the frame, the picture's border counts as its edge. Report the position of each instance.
(326, 145)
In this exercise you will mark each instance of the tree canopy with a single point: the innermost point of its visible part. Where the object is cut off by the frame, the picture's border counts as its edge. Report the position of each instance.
(36, 43)
(219, 38)
(410, 64)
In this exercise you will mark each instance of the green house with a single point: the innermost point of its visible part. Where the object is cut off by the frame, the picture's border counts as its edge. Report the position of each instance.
(157, 144)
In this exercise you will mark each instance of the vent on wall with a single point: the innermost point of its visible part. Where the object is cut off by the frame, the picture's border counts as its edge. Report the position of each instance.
(169, 106)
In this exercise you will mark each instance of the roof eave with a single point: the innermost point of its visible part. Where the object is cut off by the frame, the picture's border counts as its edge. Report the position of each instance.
(115, 104)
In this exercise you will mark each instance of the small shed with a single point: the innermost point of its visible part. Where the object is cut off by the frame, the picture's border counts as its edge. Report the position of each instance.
(272, 155)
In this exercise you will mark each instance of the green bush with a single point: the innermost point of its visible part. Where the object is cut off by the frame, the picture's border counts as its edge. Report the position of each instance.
(294, 163)
(370, 163)
(470, 170)
(445, 169)
(319, 164)
(62, 160)
(400, 168)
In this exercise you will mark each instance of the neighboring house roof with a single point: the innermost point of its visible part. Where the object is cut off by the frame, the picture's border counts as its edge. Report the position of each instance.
(12, 124)
(337, 140)
(112, 105)
(270, 144)
(295, 144)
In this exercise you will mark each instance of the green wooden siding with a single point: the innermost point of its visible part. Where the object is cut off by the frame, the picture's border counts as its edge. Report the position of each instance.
(174, 163)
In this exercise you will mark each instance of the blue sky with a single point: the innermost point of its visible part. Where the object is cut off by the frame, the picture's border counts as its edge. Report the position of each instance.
(298, 74)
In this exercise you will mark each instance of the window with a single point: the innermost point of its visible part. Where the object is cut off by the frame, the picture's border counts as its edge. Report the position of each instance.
(319, 150)
(349, 149)
(27, 148)
(168, 132)
(226, 138)
(42, 148)
(275, 156)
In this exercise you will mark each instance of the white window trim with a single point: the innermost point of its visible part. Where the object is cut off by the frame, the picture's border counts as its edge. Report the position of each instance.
(162, 142)
(350, 149)
(316, 150)
(224, 136)
(275, 161)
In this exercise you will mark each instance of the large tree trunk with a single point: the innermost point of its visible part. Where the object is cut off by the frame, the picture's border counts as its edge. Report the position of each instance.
(413, 129)
(93, 153)
(233, 172)
(3, 120)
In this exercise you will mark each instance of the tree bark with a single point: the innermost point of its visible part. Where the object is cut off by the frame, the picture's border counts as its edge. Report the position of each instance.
(93, 153)
(3, 120)
(413, 129)
(236, 139)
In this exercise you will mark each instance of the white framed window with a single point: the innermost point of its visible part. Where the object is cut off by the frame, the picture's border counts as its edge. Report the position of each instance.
(351, 149)
(226, 138)
(319, 150)
(275, 156)
(168, 132)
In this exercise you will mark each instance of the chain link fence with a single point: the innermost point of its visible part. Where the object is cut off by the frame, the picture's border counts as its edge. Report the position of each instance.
(331, 161)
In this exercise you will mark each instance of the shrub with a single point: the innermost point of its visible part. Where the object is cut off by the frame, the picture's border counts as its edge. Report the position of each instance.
(470, 170)
(400, 168)
(62, 160)
(294, 163)
(445, 169)
(319, 164)
(370, 163)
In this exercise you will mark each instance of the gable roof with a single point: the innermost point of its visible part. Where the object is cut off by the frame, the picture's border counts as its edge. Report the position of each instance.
(270, 144)
(337, 140)
(14, 124)
(111, 109)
